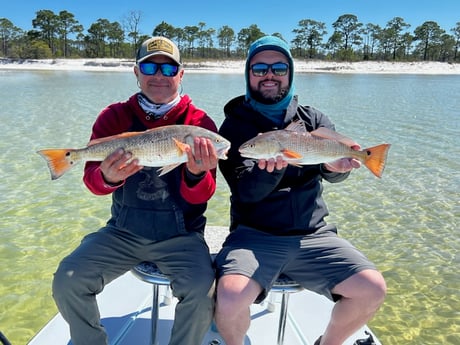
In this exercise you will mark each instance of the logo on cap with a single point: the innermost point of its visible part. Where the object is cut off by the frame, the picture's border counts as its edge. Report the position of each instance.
(160, 45)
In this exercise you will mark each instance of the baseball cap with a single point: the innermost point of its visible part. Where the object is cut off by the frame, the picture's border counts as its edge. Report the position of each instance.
(158, 46)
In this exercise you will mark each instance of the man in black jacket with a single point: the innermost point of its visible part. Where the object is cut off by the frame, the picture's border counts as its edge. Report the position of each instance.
(277, 212)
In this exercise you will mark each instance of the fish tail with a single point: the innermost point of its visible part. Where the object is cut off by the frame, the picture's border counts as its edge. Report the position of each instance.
(376, 157)
(59, 161)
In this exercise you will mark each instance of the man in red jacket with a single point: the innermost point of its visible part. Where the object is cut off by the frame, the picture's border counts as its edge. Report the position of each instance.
(157, 219)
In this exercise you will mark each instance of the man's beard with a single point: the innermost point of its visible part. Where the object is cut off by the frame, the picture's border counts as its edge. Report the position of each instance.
(268, 98)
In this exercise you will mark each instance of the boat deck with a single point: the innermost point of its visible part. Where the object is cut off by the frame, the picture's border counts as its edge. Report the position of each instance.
(125, 307)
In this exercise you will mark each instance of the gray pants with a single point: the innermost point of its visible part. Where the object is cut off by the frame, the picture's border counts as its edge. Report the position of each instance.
(107, 254)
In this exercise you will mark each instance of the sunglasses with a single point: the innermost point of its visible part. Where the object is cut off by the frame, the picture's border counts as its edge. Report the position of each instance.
(261, 69)
(167, 69)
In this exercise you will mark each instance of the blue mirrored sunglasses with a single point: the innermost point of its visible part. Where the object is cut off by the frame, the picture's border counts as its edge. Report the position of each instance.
(167, 69)
(261, 69)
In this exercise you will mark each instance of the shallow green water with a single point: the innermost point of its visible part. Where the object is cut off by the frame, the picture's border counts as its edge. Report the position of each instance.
(407, 222)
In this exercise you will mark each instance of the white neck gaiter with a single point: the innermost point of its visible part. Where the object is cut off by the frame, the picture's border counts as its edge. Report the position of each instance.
(156, 110)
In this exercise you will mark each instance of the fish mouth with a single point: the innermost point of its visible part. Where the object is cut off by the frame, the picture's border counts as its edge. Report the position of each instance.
(242, 151)
(222, 153)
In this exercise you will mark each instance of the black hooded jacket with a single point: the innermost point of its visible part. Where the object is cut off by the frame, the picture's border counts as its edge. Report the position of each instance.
(284, 202)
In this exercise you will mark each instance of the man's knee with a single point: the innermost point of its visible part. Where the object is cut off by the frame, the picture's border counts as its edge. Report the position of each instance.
(72, 279)
(63, 279)
(205, 289)
(379, 289)
(198, 285)
(373, 288)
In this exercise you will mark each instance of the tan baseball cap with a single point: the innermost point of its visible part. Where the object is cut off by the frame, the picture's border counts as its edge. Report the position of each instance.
(158, 46)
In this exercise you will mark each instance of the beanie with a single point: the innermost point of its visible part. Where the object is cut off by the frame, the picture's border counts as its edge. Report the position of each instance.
(277, 44)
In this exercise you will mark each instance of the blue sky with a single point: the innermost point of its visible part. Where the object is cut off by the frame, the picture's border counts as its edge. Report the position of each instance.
(269, 15)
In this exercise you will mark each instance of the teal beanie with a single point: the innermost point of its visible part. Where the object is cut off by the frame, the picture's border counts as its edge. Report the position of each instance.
(271, 43)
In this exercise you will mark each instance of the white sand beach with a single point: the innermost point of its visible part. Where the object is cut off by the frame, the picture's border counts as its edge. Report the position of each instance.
(231, 66)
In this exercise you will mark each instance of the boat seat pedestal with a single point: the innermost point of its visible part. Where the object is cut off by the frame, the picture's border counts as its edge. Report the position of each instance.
(285, 286)
(149, 272)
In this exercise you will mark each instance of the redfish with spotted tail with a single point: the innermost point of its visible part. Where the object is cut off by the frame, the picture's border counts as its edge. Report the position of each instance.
(299, 147)
(162, 147)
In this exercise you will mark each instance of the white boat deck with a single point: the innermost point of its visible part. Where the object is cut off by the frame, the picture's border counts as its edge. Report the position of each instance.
(125, 307)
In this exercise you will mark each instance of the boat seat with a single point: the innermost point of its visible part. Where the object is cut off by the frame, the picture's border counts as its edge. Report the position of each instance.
(149, 272)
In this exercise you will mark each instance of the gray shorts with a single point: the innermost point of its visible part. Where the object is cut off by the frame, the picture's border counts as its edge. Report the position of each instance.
(318, 261)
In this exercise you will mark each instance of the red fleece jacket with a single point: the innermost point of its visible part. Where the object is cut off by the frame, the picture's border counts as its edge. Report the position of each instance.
(118, 118)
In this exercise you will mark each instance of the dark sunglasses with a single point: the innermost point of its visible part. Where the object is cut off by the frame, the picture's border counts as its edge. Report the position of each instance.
(150, 68)
(261, 69)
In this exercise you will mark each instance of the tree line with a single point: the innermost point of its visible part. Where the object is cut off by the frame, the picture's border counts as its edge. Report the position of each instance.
(60, 35)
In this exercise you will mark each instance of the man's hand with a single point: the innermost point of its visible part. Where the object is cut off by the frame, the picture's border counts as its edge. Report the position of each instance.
(272, 164)
(203, 158)
(118, 166)
(344, 165)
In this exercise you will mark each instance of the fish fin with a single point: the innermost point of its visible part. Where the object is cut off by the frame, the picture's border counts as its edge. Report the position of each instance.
(298, 165)
(291, 154)
(112, 137)
(180, 145)
(297, 126)
(326, 133)
(376, 158)
(181, 149)
(58, 160)
(167, 168)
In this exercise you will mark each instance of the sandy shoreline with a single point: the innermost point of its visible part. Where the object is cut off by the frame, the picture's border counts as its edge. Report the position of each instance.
(226, 66)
